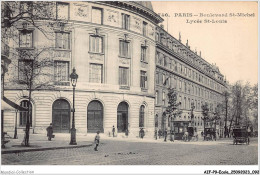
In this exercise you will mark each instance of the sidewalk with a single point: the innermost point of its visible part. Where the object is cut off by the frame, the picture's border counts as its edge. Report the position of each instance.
(39, 142)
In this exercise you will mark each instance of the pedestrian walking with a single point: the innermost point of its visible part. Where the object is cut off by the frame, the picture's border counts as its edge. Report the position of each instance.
(126, 132)
(113, 131)
(50, 132)
(155, 134)
(165, 135)
(172, 136)
(97, 139)
(142, 133)
(160, 133)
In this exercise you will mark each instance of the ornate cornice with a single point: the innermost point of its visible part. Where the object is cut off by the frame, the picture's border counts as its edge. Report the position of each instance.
(135, 8)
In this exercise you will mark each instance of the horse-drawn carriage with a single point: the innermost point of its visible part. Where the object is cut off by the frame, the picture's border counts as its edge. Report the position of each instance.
(240, 135)
(210, 134)
(190, 134)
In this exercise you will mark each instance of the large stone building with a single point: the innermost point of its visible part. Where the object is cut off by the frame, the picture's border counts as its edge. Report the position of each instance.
(194, 79)
(125, 63)
(112, 47)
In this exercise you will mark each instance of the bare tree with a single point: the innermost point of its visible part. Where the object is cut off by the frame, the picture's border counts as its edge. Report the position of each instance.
(254, 106)
(173, 106)
(226, 107)
(33, 64)
(205, 113)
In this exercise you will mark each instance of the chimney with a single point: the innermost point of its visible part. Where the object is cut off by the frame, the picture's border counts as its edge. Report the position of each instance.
(180, 36)
(200, 53)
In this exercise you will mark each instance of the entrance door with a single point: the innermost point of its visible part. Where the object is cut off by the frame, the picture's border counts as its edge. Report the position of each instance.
(95, 117)
(61, 116)
(122, 117)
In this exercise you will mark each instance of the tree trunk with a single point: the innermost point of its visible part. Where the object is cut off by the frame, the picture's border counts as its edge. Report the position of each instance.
(226, 130)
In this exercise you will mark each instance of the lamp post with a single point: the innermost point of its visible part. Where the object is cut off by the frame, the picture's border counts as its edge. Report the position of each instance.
(15, 128)
(192, 115)
(73, 77)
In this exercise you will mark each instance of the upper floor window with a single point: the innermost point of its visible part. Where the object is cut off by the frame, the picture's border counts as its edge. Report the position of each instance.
(163, 97)
(165, 61)
(124, 48)
(157, 37)
(143, 79)
(62, 40)
(163, 78)
(157, 78)
(144, 28)
(24, 70)
(143, 53)
(95, 73)
(176, 68)
(61, 71)
(26, 39)
(97, 15)
(125, 21)
(156, 97)
(124, 76)
(95, 44)
(180, 85)
(62, 10)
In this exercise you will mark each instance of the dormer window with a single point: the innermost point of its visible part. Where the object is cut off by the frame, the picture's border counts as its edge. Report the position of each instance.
(125, 21)
(144, 28)
(97, 15)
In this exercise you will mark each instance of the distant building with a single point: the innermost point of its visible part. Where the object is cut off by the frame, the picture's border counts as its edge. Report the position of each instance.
(195, 80)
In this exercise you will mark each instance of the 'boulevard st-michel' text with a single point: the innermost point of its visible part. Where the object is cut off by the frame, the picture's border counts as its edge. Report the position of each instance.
(213, 15)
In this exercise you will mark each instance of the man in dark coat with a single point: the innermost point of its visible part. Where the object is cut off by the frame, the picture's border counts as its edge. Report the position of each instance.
(142, 133)
(49, 132)
(97, 138)
(172, 136)
(165, 135)
(113, 131)
(126, 132)
(155, 134)
(160, 133)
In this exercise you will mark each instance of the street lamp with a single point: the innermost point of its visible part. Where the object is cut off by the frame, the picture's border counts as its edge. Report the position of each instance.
(192, 115)
(73, 77)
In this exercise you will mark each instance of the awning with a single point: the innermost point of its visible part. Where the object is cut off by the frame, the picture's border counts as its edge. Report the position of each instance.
(6, 104)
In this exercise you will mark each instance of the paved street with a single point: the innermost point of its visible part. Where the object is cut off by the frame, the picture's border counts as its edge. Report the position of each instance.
(141, 152)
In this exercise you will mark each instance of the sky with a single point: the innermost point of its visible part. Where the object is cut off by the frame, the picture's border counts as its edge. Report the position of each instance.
(232, 44)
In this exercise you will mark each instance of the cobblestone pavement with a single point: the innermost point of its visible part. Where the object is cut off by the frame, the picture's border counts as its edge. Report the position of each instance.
(116, 152)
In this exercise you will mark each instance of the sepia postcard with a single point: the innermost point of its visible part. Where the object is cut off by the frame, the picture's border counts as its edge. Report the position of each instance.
(90, 85)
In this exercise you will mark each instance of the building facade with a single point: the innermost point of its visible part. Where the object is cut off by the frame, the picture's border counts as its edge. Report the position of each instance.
(125, 62)
(112, 47)
(195, 80)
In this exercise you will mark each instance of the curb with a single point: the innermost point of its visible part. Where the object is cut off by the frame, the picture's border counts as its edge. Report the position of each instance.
(43, 149)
